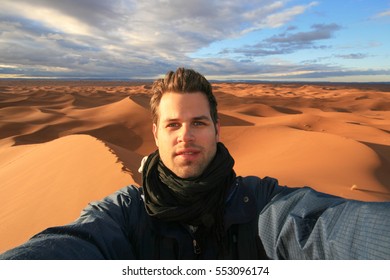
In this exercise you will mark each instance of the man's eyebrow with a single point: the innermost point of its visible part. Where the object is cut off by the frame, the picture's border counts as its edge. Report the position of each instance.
(202, 118)
(197, 118)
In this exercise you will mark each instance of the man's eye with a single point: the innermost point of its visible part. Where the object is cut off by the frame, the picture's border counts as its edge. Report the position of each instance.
(199, 123)
(173, 125)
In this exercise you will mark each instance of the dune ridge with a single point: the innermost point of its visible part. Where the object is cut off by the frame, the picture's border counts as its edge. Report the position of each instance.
(64, 144)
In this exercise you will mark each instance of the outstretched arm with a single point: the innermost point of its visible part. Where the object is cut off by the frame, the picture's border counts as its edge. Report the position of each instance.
(103, 231)
(306, 224)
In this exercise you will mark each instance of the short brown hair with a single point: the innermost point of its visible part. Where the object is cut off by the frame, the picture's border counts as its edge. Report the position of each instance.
(182, 81)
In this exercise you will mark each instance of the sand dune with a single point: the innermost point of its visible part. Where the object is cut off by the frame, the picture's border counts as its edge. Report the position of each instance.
(37, 193)
(330, 163)
(64, 144)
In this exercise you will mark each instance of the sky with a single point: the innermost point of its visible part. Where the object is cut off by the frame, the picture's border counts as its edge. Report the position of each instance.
(286, 40)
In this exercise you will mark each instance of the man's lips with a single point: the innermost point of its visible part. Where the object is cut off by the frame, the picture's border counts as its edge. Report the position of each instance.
(189, 152)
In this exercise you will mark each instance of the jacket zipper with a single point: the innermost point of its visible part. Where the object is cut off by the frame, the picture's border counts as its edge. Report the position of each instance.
(195, 243)
(197, 249)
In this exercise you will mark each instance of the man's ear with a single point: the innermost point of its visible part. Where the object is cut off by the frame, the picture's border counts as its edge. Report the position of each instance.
(217, 130)
(155, 134)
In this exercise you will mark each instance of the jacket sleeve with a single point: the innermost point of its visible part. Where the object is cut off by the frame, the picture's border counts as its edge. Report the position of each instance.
(103, 231)
(306, 224)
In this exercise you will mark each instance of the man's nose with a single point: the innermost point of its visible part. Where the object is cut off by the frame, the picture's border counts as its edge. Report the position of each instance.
(186, 134)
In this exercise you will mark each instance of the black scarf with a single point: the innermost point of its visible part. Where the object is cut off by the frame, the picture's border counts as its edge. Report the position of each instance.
(196, 201)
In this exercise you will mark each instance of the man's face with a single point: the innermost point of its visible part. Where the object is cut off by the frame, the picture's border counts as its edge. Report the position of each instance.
(185, 133)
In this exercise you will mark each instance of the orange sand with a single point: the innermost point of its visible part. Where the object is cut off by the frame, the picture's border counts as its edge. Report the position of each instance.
(64, 144)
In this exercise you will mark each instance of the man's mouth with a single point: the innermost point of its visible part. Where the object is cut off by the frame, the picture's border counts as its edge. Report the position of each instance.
(188, 153)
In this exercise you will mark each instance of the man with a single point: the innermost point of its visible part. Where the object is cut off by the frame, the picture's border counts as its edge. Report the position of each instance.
(193, 206)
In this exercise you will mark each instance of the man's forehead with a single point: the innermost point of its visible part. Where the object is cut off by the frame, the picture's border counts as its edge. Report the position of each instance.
(184, 96)
(189, 105)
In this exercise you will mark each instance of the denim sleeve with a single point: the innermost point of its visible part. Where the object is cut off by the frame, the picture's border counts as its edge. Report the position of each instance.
(306, 224)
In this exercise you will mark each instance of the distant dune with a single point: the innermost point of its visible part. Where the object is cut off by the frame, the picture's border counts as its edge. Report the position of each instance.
(64, 144)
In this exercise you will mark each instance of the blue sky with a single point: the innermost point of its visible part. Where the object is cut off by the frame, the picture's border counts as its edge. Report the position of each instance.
(295, 40)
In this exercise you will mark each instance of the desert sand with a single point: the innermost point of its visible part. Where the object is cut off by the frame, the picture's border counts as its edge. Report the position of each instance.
(64, 144)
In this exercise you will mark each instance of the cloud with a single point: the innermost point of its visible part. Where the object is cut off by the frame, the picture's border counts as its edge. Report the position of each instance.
(319, 32)
(296, 72)
(280, 18)
(383, 14)
(340, 73)
(121, 39)
(353, 56)
(45, 16)
(125, 38)
(288, 42)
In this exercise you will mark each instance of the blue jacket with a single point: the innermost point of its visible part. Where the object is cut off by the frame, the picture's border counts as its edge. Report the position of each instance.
(262, 220)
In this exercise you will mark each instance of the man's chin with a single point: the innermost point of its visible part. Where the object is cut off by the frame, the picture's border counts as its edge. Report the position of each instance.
(188, 173)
